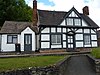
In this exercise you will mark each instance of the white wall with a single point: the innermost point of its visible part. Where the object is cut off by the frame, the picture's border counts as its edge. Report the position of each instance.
(7, 47)
(28, 31)
(79, 36)
(84, 23)
(45, 45)
(11, 47)
(46, 30)
(63, 23)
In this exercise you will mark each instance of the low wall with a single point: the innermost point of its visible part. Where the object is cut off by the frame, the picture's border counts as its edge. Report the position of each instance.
(95, 64)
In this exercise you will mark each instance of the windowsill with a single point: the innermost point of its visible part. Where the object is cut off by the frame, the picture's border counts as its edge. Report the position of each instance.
(11, 43)
(56, 44)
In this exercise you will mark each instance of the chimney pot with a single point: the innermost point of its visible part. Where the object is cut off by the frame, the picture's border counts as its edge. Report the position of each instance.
(86, 10)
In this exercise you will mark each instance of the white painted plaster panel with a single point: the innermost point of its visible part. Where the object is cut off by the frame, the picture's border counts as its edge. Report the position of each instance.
(79, 44)
(94, 44)
(84, 23)
(79, 36)
(55, 46)
(45, 37)
(73, 14)
(87, 45)
(64, 44)
(53, 29)
(79, 31)
(45, 45)
(6, 47)
(58, 29)
(46, 30)
(93, 37)
(64, 37)
(64, 29)
(63, 23)
(86, 30)
(92, 31)
(69, 30)
(28, 31)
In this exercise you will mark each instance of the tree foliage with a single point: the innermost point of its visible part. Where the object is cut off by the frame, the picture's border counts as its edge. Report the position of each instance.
(14, 10)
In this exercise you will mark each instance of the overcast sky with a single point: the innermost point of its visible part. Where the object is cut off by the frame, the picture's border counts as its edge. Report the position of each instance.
(66, 5)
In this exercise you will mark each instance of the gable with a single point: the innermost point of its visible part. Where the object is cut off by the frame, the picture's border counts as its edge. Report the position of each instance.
(27, 30)
(73, 14)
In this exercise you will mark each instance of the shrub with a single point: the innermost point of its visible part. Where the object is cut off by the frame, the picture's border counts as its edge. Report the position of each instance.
(96, 52)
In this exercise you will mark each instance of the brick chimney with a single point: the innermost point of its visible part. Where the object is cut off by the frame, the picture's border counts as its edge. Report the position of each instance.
(86, 10)
(35, 16)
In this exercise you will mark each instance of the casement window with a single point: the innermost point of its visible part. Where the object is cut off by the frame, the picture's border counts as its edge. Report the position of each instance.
(55, 39)
(87, 39)
(74, 21)
(11, 39)
(77, 22)
(69, 21)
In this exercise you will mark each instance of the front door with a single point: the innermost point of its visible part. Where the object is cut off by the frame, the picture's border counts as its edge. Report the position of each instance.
(70, 42)
(28, 42)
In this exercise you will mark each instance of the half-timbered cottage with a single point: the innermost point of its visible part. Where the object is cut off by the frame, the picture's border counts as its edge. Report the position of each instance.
(51, 30)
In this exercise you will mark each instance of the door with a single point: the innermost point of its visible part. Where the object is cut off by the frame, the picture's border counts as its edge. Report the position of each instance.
(28, 42)
(70, 42)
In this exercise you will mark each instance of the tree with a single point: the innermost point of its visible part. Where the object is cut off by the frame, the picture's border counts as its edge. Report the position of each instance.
(14, 10)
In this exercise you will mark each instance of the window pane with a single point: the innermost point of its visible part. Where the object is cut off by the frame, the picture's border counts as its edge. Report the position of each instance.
(87, 39)
(9, 39)
(77, 22)
(69, 21)
(14, 40)
(56, 39)
(53, 38)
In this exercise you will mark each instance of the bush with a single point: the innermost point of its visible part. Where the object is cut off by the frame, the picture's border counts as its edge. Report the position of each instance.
(96, 52)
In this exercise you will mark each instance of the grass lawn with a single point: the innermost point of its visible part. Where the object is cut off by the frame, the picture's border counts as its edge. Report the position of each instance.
(96, 52)
(25, 62)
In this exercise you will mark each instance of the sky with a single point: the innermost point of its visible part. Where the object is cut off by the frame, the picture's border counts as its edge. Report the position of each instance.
(66, 5)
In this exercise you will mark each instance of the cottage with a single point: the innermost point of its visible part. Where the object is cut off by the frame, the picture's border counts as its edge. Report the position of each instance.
(50, 30)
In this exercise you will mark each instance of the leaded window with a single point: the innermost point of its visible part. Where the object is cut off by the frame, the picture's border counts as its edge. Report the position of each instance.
(69, 21)
(56, 39)
(77, 22)
(87, 39)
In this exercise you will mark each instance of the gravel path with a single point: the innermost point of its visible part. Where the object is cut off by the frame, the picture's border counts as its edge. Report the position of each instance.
(79, 65)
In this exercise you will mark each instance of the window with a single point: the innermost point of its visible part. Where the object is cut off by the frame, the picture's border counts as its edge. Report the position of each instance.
(77, 22)
(74, 21)
(12, 39)
(56, 39)
(69, 21)
(87, 39)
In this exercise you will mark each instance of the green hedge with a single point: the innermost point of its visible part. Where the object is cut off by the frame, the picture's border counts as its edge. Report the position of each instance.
(96, 52)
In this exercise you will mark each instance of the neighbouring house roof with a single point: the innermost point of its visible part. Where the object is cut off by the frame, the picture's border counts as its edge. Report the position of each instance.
(56, 17)
(15, 27)
(98, 34)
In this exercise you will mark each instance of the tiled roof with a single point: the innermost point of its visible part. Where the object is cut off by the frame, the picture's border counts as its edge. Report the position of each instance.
(51, 17)
(56, 17)
(15, 27)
